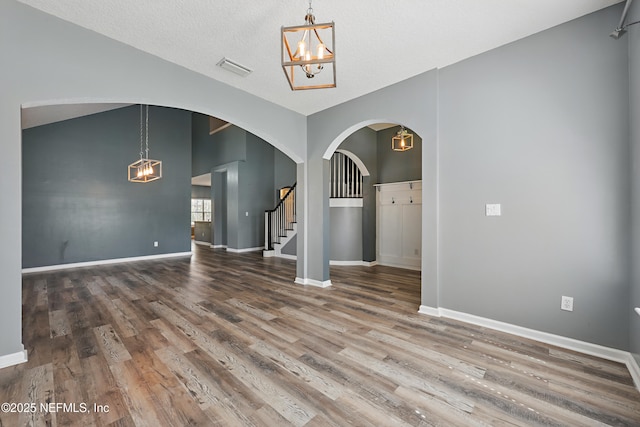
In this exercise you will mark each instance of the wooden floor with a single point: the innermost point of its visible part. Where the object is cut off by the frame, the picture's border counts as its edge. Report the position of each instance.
(229, 340)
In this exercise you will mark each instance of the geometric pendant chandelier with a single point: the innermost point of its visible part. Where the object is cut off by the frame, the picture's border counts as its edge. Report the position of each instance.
(145, 169)
(308, 54)
(402, 141)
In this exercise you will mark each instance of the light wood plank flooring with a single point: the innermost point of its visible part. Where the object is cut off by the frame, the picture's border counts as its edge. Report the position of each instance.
(228, 340)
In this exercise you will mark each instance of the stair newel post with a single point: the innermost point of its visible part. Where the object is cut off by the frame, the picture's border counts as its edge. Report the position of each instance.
(279, 223)
(274, 222)
(276, 226)
(288, 207)
(267, 231)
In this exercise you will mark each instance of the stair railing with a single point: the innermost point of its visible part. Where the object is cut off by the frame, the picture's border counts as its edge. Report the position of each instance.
(346, 177)
(280, 219)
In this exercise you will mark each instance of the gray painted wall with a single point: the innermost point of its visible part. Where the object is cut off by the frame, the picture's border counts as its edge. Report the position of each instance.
(412, 102)
(346, 234)
(77, 204)
(344, 246)
(363, 143)
(219, 205)
(233, 205)
(544, 133)
(398, 166)
(284, 173)
(633, 39)
(248, 183)
(52, 61)
(226, 146)
(256, 191)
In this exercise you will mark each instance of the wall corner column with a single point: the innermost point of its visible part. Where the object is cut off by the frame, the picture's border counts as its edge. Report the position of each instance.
(313, 225)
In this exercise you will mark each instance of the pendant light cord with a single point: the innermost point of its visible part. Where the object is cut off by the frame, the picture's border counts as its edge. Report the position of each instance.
(141, 138)
(144, 133)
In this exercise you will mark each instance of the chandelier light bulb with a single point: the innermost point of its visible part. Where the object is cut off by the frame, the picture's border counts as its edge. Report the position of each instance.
(321, 51)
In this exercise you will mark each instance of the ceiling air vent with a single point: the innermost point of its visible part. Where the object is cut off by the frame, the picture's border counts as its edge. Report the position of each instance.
(234, 67)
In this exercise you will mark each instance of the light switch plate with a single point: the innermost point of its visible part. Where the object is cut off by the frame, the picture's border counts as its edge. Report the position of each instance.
(493, 209)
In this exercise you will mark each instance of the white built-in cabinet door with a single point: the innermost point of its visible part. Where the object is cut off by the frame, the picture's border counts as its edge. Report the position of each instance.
(399, 224)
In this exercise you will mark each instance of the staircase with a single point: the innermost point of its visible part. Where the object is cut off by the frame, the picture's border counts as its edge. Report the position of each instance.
(346, 182)
(280, 225)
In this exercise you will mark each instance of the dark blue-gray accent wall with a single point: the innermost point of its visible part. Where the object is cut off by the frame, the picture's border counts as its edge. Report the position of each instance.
(246, 173)
(77, 203)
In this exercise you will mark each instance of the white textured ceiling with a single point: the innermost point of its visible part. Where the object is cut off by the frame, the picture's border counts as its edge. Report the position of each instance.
(378, 42)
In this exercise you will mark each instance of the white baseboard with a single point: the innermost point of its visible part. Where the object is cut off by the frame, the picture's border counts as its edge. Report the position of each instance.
(13, 359)
(267, 254)
(243, 250)
(634, 370)
(557, 340)
(347, 263)
(425, 309)
(398, 265)
(104, 262)
(311, 282)
(218, 246)
(199, 242)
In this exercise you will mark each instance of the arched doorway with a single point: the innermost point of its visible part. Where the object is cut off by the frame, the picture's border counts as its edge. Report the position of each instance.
(96, 215)
(387, 199)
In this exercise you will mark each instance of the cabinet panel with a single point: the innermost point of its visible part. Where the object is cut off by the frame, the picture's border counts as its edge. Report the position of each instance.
(411, 231)
(390, 230)
(399, 224)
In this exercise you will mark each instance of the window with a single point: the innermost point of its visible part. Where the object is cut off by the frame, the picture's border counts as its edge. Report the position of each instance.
(200, 210)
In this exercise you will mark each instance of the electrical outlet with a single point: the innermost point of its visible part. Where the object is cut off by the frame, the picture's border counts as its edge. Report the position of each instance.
(155, 244)
(566, 304)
